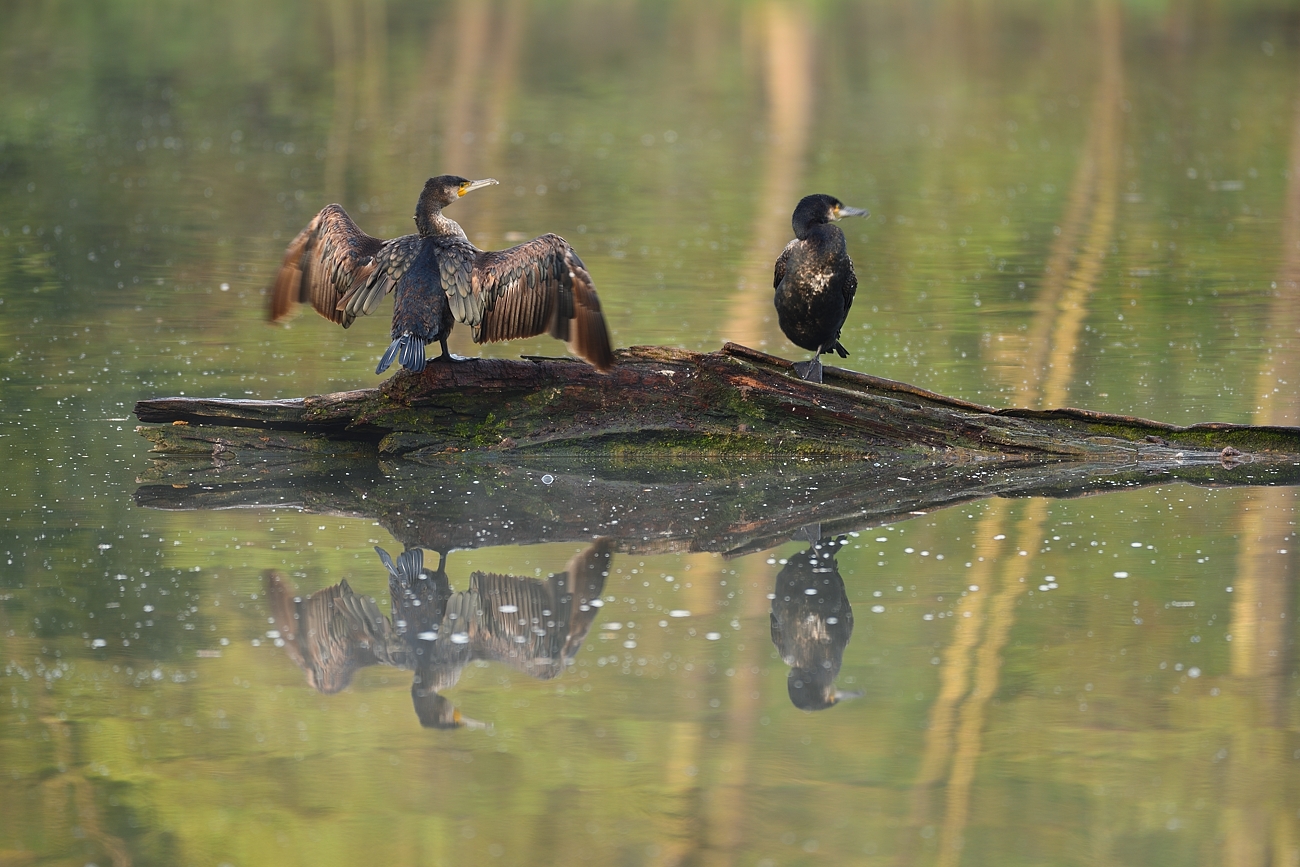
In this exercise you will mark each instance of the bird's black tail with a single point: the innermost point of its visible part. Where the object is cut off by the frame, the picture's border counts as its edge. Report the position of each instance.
(407, 569)
(408, 350)
(840, 350)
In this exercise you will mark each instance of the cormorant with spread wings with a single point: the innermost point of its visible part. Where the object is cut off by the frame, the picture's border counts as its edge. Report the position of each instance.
(438, 277)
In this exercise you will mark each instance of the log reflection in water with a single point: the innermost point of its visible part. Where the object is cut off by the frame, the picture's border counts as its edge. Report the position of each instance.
(531, 625)
(718, 506)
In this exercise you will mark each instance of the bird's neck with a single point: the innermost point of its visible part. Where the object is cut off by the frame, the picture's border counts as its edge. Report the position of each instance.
(437, 225)
(813, 231)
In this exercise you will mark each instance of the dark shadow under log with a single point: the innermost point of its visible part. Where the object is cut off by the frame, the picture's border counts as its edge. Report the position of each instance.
(659, 403)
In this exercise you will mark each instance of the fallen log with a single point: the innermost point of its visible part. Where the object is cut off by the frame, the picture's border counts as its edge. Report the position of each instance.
(660, 403)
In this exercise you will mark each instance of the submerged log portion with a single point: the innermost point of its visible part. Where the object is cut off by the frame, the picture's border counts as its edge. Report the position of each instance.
(659, 403)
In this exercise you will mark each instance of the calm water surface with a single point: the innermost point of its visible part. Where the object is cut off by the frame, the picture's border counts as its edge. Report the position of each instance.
(1088, 204)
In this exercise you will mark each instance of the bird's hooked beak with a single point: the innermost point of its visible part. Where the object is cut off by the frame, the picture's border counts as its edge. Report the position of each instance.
(841, 211)
(846, 695)
(474, 185)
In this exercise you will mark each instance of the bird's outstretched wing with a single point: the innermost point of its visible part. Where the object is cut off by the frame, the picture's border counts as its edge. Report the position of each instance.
(779, 272)
(322, 264)
(331, 633)
(519, 623)
(538, 287)
(538, 626)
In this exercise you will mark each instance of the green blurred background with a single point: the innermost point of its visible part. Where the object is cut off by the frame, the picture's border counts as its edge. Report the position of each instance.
(1085, 203)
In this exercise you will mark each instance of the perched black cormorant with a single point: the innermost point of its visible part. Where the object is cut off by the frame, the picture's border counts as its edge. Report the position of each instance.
(812, 622)
(439, 277)
(814, 281)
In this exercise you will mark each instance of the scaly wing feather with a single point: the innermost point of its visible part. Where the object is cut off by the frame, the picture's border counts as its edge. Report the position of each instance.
(518, 624)
(538, 287)
(321, 264)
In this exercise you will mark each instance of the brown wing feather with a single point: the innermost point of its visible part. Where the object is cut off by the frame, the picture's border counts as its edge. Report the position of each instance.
(529, 634)
(328, 641)
(541, 287)
(321, 265)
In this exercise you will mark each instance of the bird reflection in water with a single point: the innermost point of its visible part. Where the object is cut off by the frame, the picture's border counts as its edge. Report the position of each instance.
(534, 626)
(812, 622)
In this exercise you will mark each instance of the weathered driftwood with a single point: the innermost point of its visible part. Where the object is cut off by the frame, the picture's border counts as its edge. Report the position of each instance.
(659, 402)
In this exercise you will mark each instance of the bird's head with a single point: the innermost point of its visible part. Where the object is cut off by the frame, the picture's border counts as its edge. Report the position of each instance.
(814, 690)
(436, 712)
(440, 192)
(821, 208)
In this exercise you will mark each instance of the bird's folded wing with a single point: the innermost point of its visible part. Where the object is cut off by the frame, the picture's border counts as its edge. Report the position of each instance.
(778, 273)
(321, 265)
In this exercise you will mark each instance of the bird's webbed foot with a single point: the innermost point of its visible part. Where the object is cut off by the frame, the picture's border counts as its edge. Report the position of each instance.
(810, 371)
(447, 355)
